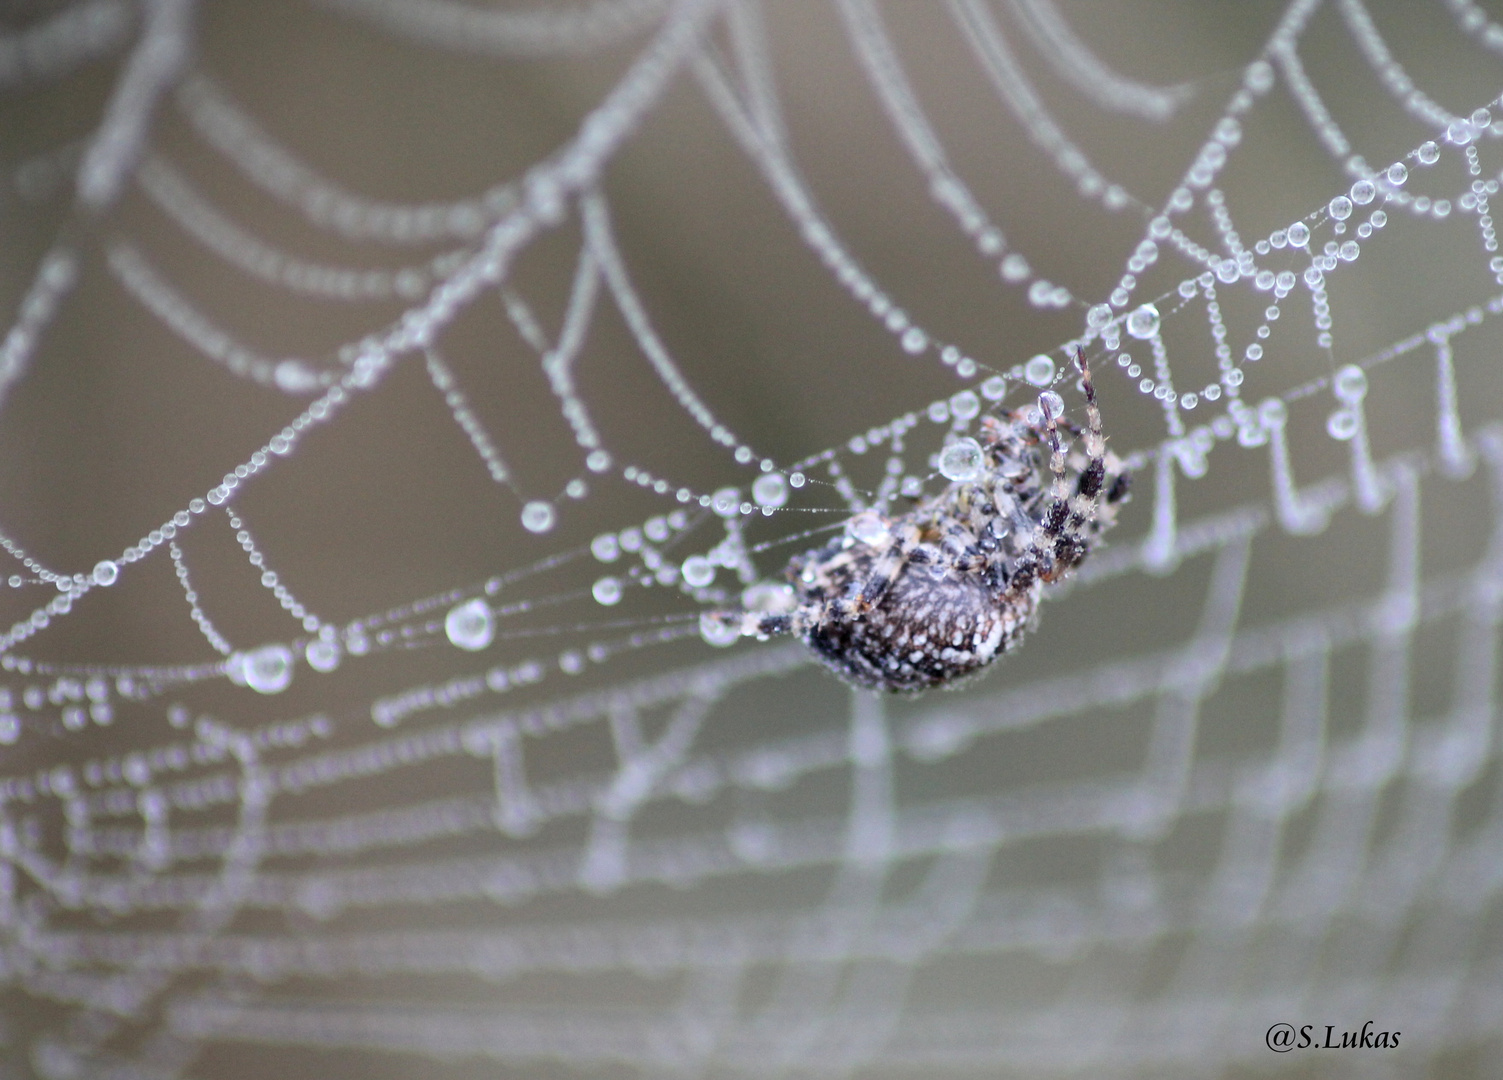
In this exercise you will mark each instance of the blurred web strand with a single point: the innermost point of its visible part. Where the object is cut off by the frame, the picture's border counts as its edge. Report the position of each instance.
(62, 42)
(580, 26)
(1074, 61)
(975, 20)
(843, 965)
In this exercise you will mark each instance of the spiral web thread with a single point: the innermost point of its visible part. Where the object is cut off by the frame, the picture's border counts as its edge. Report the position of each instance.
(202, 894)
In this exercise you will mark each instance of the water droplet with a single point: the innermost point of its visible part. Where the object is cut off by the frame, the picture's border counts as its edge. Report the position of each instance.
(1144, 322)
(1340, 208)
(915, 341)
(1428, 153)
(994, 388)
(106, 572)
(1039, 371)
(698, 571)
(1397, 174)
(770, 489)
(797, 480)
(1341, 425)
(537, 516)
(1349, 251)
(606, 591)
(598, 461)
(545, 199)
(1459, 133)
(1363, 192)
(1298, 233)
(267, 670)
(10, 728)
(718, 629)
(1099, 316)
(727, 502)
(869, 527)
(965, 405)
(961, 460)
(1051, 405)
(1481, 118)
(1350, 385)
(1258, 75)
(469, 625)
(769, 598)
(606, 547)
(294, 377)
(1272, 413)
(322, 655)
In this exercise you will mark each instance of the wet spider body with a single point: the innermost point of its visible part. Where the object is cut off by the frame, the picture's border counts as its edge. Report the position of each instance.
(924, 599)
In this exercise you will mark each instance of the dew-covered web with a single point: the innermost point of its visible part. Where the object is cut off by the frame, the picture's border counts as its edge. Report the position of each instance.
(392, 387)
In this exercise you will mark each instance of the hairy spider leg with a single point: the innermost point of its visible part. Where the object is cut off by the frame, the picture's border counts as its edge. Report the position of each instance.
(1056, 544)
(883, 573)
(1069, 546)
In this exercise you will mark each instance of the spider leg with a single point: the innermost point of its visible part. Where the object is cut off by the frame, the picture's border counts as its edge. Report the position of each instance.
(1116, 483)
(768, 625)
(1057, 543)
(1069, 545)
(885, 570)
(1037, 560)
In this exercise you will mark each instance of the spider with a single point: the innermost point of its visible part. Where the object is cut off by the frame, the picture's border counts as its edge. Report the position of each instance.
(924, 599)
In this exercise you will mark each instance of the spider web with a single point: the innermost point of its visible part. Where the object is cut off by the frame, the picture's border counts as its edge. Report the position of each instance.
(392, 385)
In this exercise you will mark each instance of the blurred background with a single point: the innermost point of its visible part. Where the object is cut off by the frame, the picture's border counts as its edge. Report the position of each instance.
(391, 385)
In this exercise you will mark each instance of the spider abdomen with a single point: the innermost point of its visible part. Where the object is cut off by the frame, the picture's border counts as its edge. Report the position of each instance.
(932, 626)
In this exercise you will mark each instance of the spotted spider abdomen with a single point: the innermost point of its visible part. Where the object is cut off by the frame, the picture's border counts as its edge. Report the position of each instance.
(933, 626)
